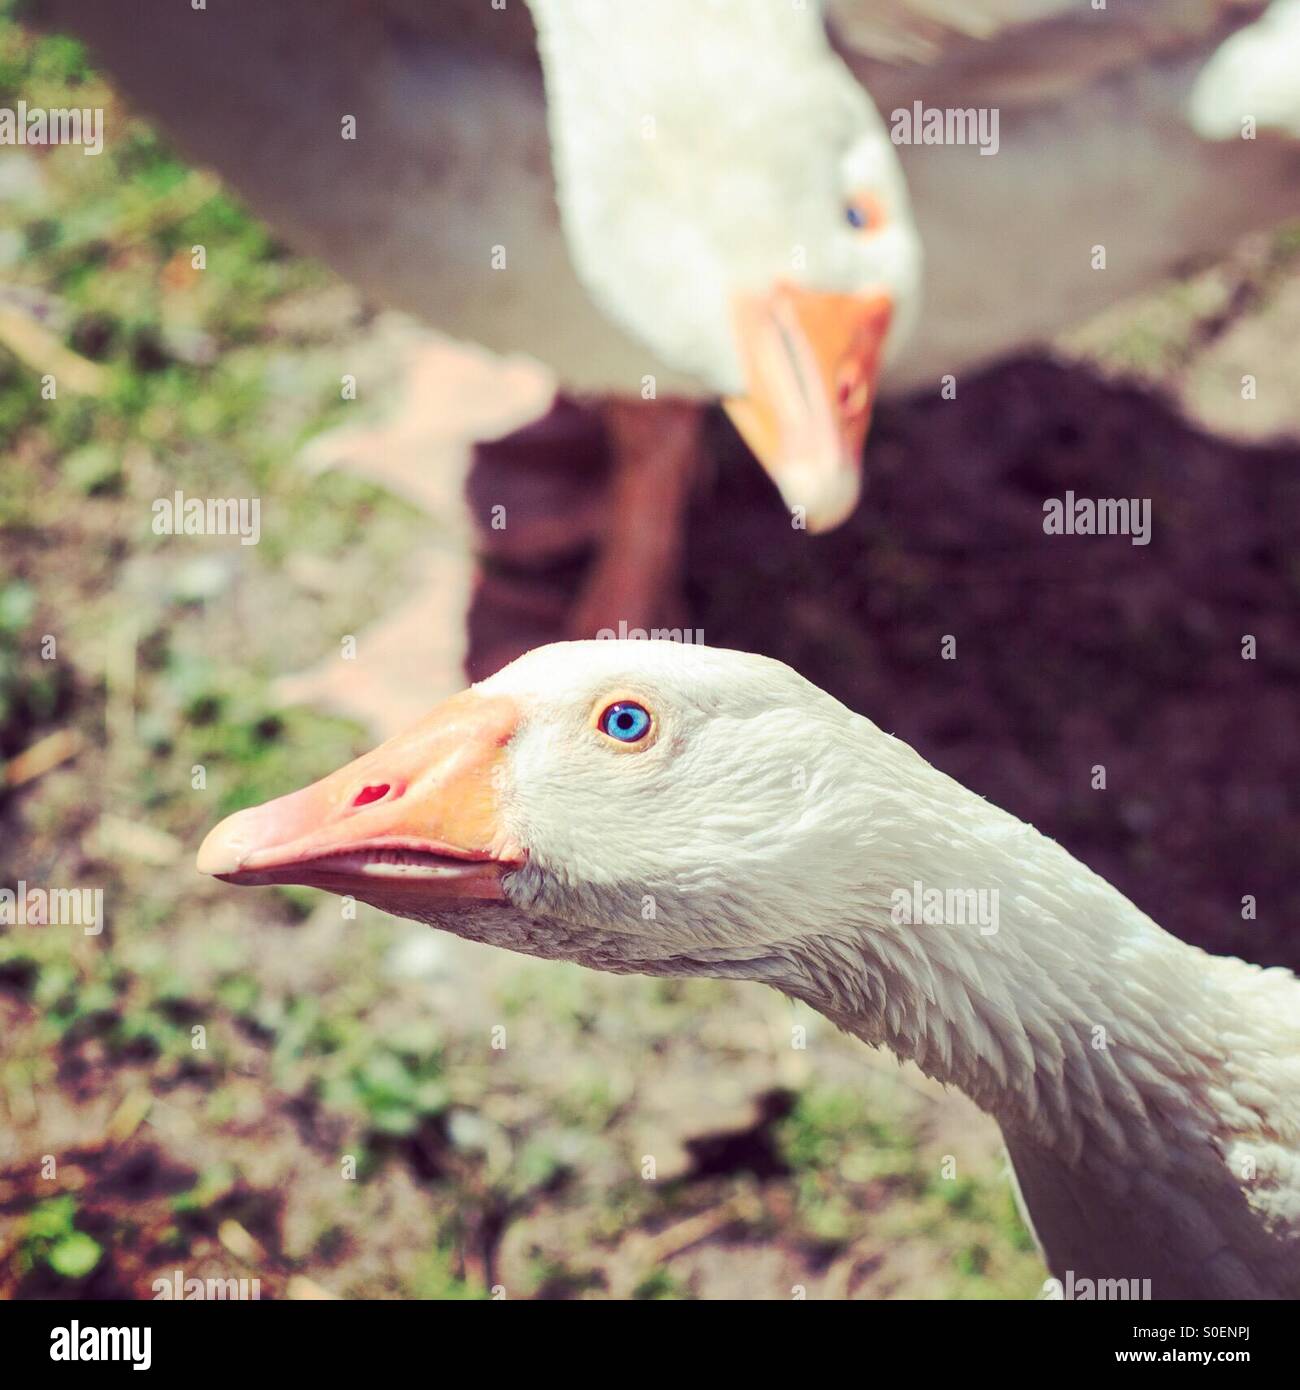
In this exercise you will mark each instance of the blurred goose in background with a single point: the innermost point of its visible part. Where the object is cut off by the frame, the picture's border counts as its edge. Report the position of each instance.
(730, 198)
(453, 156)
(730, 201)
(1255, 75)
(633, 232)
(662, 809)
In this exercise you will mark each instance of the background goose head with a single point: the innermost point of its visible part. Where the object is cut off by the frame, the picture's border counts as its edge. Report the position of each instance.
(731, 197)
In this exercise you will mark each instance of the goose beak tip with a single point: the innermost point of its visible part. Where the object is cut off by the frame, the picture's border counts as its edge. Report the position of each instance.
(811, 361)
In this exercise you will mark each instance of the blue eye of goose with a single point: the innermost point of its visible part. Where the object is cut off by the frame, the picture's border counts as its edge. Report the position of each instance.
(855, 216)
(625, 721)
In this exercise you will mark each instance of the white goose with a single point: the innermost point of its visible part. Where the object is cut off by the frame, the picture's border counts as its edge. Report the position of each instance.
(735, 222)
(1253, 76)
(662, 809)
(703, 152)
(453, 155)
(732, 199)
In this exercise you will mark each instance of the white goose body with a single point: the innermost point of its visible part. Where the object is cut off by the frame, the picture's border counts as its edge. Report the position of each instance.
(1149, 1093)
(1253, 77)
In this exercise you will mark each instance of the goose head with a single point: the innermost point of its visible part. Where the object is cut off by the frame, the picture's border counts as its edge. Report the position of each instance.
(633, 806)
(731, 197)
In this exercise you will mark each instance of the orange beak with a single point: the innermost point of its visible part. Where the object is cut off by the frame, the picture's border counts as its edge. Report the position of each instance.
(416, 820)
(811, 362)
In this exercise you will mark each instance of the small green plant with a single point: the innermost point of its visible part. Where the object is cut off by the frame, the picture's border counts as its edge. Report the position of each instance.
(396, 1091)
(52, 1240)
(437, 1279)
(215, 1185)
(659, 1285)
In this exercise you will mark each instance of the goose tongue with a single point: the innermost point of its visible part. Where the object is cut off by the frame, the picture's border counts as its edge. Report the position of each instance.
(811, 361)
(419, 811)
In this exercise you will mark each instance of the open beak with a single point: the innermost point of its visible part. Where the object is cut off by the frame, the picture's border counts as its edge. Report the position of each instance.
(417, 818)
(811, 361)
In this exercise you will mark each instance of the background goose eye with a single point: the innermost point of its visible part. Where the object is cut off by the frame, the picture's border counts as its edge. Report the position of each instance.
(865, 213)
(625, 721)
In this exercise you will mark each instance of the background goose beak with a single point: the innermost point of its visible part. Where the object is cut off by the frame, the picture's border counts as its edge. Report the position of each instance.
(418, 814)
(811, 361)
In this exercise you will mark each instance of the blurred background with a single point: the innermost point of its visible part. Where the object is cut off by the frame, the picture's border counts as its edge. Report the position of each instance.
(192, 675)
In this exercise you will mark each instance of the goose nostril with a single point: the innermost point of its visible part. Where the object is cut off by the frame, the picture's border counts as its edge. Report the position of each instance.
(853, 392)
(368, 794)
